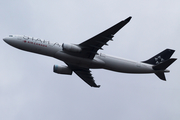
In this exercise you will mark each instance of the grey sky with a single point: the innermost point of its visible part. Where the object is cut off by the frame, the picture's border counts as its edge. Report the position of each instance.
(30, 90)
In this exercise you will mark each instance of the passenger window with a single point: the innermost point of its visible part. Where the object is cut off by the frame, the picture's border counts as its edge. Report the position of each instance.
(10, 35)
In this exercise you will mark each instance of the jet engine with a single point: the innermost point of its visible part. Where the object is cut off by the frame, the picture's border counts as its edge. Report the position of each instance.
(71, 47)
(62, 70)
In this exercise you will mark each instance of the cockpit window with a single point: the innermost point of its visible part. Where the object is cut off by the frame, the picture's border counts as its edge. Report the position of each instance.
(10, 35)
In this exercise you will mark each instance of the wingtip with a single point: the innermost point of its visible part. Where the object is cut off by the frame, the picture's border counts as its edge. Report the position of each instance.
(128, 19)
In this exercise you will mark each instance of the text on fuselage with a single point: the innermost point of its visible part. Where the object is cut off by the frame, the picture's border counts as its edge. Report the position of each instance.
(35, 43)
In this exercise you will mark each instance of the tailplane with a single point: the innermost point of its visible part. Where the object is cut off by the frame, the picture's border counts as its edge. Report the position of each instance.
(161, 61)
(161, 75)
(163, 66)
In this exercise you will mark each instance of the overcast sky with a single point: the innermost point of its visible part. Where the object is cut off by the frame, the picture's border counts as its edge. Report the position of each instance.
(29, 90)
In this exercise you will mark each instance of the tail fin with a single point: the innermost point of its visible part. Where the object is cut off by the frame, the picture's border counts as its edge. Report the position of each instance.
(159, 58)
(161, 61)
(163, 66)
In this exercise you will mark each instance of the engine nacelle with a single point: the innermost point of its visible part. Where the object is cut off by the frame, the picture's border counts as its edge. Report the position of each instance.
(71, 47)
(62, 70)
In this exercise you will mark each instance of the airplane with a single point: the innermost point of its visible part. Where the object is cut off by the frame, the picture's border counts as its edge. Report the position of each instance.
(80, 58)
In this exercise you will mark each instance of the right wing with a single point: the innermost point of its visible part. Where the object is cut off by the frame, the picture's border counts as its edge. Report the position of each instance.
(84, 74)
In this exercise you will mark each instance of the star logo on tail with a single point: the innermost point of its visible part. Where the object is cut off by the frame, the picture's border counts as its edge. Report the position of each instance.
(159, 60)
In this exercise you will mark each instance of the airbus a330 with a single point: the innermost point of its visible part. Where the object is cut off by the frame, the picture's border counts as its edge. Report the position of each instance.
(80, 58)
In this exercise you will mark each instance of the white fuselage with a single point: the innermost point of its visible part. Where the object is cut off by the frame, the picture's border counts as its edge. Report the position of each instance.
(100, 61)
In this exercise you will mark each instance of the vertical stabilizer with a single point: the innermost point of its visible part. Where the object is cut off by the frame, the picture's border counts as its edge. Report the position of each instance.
(161, 57)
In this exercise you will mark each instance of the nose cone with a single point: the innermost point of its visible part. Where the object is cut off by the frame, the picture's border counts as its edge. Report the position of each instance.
(10, 41)
(4, 39)
(7, 40)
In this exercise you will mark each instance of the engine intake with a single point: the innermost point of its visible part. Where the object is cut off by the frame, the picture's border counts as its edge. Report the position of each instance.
(71, 47)
(62, 70)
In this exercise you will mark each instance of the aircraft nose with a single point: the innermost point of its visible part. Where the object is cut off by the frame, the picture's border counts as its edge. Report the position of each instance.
(8, 40)
(5, 40)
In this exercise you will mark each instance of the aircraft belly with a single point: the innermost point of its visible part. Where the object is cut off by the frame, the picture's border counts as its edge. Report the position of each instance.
(126, 66)
(79, 61)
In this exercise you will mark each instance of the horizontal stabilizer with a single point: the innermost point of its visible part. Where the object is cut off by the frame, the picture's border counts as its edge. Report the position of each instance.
(164, 65)
(161, 75)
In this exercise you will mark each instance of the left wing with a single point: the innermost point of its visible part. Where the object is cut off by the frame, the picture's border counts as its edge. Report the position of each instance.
(91, 46)
(84, 74)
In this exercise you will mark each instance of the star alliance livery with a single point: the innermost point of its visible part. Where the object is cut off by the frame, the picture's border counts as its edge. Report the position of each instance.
(80, 58)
